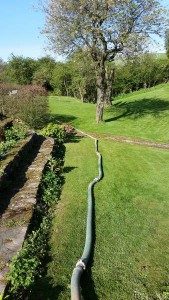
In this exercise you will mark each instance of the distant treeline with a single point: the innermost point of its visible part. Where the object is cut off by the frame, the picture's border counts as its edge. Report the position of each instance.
(76, 76)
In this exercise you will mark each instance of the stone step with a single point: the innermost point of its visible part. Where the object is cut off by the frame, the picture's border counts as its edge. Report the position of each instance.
(14, 167)
(16, 218)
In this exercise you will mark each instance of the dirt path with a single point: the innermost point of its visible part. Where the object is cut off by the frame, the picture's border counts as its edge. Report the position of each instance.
(128, 140)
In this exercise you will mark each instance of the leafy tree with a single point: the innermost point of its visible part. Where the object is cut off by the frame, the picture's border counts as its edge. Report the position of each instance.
(21, 69)
(43, 74)
(105, 28)
(83, 76)
(142, 71)
(61, 79)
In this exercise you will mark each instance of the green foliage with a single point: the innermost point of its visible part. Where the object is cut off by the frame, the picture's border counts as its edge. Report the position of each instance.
(30, 104)
(16, 132)
(76, 76)
(33, 111)
(83, 83)
(50, 182)
(43, 74)
(140, 72)
(55, 131)
(61, 79)
(12, 135)
(27, 265)
(21, 69)
(5, 147)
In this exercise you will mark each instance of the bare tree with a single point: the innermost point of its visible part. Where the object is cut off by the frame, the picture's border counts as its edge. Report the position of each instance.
(105, 28)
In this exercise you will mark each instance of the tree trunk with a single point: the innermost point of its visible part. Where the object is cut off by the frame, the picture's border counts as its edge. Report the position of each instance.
(66, 89)
(109, 88)
(81, 94)
(101, 89)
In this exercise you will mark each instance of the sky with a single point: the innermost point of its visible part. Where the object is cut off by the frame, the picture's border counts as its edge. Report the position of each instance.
(21, 25)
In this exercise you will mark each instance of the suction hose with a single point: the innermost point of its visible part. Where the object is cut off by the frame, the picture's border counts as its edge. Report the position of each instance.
(83, 261)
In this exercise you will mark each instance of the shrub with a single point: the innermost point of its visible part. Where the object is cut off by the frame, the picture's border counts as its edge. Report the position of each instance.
(26, 265)
(55, 131)
(5, 147)
(33, 111)
(30, 104)
(32, 90)
(12, 135)
(17, 132)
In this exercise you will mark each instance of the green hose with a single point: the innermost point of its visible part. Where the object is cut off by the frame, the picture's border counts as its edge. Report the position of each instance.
(83, 262)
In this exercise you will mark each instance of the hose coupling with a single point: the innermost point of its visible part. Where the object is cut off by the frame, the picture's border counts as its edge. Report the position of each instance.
(81, 264)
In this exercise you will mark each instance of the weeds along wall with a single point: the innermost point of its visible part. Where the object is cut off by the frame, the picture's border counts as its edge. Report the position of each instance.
(11, 137)
(28, 265)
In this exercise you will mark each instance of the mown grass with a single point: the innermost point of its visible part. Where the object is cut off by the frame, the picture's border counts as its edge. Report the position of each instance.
(131, 251)
(143, 114)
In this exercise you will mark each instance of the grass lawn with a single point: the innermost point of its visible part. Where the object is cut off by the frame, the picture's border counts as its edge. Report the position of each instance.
(143, 114)
(131, 255)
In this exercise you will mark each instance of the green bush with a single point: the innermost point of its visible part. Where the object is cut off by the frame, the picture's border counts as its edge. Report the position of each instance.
(33, 110)
(12, 136)
(5, 147)
(30, 104)
(26, 265)
(55, 131)
(17, 132)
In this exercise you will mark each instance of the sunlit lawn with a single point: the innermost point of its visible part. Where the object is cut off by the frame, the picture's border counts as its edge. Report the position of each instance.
(143, 114)
(131, 253)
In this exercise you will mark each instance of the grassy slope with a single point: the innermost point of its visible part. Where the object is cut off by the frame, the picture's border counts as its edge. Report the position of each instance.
(132, 208)
(143, 114)
(132, 213)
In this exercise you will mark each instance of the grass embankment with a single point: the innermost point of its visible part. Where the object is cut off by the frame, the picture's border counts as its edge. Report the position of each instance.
(143, 114)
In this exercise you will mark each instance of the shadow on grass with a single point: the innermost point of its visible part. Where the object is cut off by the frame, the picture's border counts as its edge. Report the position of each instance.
(139, 108)
(87, 282)
(73, 138)
(46, 291)
(56, 118)
(68, 169)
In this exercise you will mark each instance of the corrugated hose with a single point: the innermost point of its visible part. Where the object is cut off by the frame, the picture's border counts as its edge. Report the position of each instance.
(83, 261)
